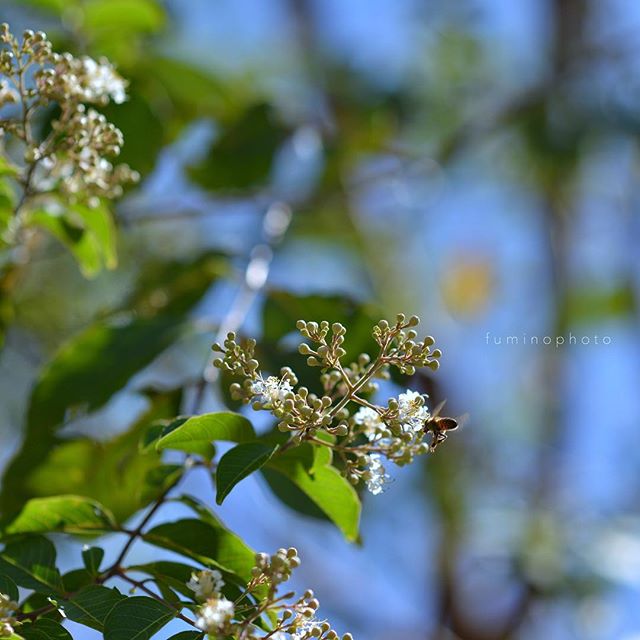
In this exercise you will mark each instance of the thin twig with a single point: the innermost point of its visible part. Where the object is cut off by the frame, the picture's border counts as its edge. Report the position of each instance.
(137, 532)
(141, 586)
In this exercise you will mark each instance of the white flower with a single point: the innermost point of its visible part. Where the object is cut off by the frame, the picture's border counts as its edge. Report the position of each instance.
(206, 583)
(84, 79)
(102, 81)
(303, 631)
(272, 390)
(7, 609)
(370, 420)
(412, 412)
(376, 477)
(6, 605)
(215, 615)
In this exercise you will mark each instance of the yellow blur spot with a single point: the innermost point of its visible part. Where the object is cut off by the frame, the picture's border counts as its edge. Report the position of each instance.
(467, 285)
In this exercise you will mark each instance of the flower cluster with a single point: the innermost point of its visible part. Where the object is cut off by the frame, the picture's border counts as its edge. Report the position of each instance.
(361, 433)
(81, 79)
(7, 620)
(215, 616)
(216, 613)
(206, 583)
(74, 160)
(79, 168)
(289, 618)
(272, 391)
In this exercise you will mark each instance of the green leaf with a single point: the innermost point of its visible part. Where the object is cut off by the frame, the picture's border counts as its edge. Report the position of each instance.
(141, 126)
(161, 428)
(242, 156)
(173, 574)
(75, 380)
(200, 509)
(283, 309)
(151, 435)
(69, 514)
(44, 629)
(168, 594)
(89, 233)
(40, 601)
(55, 6)
(92, 605)
(309, 468)
(114, 473)
(196, 434)
(161, 478)
(7, 201)
(195, 91)
(177, 284)
(209, 543)
(9, 588)
(238, 463)
(123, 15)
(137, 618)
(187, 635)
(289, 494)
(8, 169)
(72, 378)
(76, 579)
(206, 450)
(92, 558)
(30, 562)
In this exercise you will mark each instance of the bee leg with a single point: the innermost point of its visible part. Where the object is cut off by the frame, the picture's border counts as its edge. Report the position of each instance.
(438, 438)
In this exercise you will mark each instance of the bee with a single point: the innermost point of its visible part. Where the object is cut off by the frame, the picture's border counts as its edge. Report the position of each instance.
(438, 426)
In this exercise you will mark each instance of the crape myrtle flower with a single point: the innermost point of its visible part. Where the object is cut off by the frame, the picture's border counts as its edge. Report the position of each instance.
(361, 433)
(290, 618)
(74, 162)
(7, 620)
(215, 616)
(206, 583)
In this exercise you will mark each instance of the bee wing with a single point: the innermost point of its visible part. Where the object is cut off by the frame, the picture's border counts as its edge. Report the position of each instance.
(463, 419)
(436, 412)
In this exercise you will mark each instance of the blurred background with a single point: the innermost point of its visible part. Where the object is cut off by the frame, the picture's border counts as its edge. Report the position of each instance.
(474, 162)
